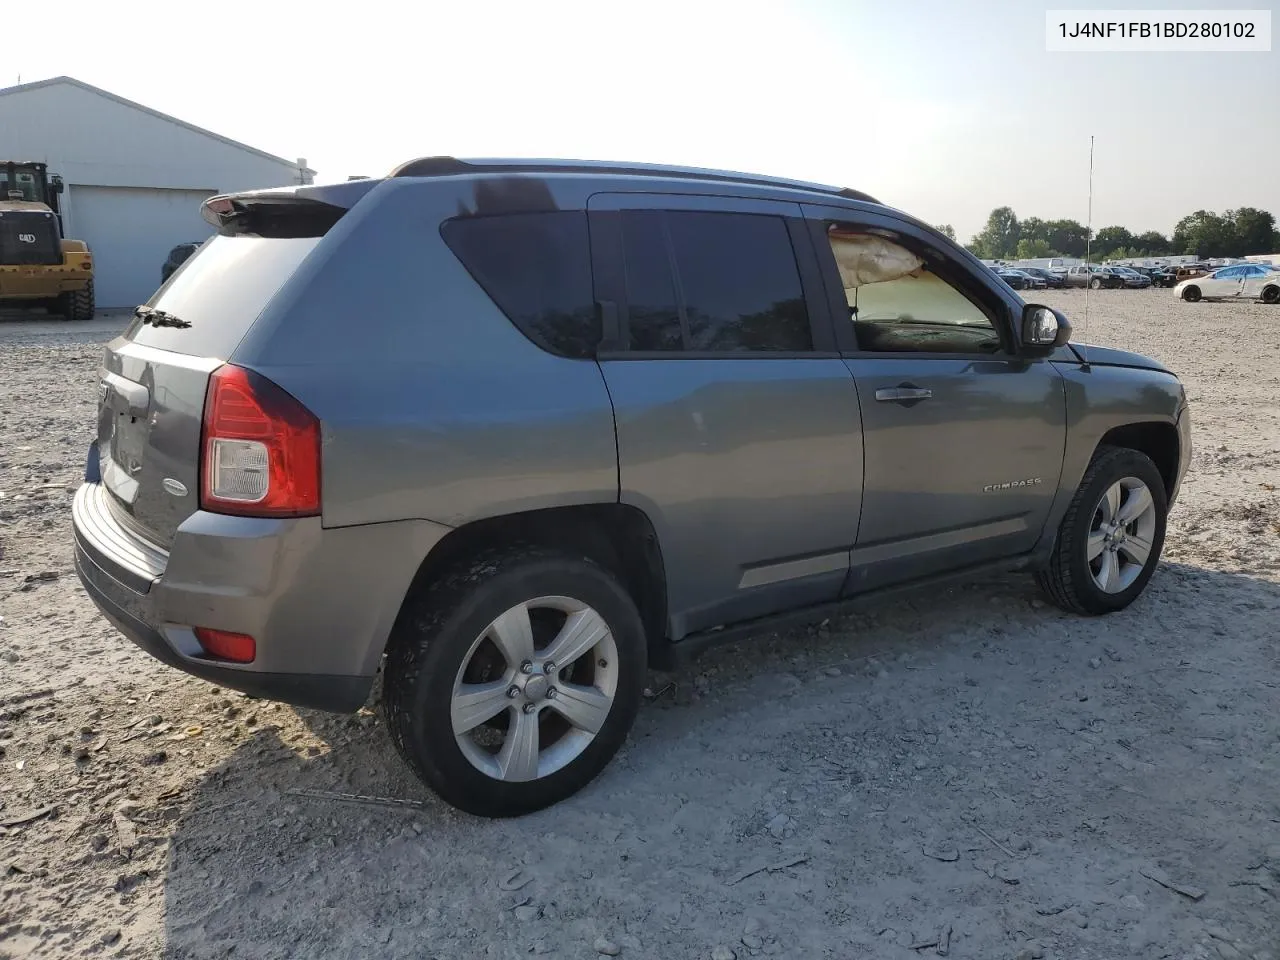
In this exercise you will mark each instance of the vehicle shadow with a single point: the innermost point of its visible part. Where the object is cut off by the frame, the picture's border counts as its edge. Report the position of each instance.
(645, 855)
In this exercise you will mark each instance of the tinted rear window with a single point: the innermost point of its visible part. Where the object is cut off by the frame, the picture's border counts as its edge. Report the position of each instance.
(220, 291)
(537, 268)
(738, 283)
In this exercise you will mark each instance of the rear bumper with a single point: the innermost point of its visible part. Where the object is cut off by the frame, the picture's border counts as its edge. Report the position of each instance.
(320, 603)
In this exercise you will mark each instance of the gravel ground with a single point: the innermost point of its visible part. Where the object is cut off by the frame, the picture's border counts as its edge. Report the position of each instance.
(967, 773)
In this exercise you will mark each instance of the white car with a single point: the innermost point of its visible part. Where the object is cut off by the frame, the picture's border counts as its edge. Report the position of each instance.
(1241, 280)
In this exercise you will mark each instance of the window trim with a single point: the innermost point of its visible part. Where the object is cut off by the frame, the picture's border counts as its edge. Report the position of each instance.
(992, 303)
(609, 271)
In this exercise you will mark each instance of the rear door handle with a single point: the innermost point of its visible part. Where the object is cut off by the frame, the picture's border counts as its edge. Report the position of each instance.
(905, 392)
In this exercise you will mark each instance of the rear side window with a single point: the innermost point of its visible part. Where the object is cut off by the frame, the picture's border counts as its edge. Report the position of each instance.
(213, 300)
(715, 282)
(537, 268)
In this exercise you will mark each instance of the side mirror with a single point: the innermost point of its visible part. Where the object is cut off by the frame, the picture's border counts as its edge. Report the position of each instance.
(1043, 330)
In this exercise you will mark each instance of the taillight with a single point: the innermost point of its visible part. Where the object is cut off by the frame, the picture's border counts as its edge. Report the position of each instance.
(260, 449)
(236, 647)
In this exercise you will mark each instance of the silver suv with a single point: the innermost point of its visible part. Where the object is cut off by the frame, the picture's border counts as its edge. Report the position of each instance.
(515, 431)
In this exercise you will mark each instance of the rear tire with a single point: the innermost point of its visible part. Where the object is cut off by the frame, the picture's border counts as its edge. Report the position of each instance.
(1094, 570)
(1271, 293)
(77, 305)
(1095, 284)
(1191, 294)
(448, 646)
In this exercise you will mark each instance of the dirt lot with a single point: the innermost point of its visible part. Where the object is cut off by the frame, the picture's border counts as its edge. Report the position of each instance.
(970, 773)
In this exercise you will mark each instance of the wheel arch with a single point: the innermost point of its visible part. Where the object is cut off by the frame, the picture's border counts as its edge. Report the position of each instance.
(1157, 439)
(618, 536)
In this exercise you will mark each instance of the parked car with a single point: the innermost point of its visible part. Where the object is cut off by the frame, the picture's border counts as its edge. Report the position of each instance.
(1165, 276)
(1133, 279)
(1093, 276)
(1239, 281)
(463, 423)
(1051, 280)
(177, 256)
(1189, 271)
(1019, 279)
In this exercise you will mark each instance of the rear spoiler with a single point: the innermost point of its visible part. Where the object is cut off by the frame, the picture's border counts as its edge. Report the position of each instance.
(286, 212)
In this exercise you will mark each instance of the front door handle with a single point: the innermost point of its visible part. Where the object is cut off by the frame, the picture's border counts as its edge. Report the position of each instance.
(904, 393)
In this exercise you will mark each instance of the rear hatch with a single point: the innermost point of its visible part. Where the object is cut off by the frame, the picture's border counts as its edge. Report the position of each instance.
(155, 375)
(28, 237)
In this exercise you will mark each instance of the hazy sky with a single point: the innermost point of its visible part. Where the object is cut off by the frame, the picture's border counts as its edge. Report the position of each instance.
(945, 109)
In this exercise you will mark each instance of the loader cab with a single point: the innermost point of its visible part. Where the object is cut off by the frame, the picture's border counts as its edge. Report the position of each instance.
(30, 182)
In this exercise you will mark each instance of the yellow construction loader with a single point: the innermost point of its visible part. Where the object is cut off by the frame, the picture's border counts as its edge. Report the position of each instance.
(38, 267)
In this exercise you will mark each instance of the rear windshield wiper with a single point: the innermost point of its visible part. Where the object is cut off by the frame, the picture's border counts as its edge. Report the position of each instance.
(159, 318)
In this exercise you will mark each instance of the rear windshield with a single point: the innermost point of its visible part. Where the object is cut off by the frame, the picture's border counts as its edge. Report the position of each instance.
(217, 294)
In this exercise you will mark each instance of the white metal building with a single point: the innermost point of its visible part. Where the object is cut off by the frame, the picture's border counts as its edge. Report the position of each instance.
(134, 177)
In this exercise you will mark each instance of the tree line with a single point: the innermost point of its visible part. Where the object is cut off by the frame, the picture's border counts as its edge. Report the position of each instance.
(1234, 233)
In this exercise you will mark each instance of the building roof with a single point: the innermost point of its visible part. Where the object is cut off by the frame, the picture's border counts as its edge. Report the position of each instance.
(36, 85)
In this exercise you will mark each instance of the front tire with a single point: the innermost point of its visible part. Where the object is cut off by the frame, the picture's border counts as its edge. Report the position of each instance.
(1110, 540)
(1095, 284)
(1191, 294)
(1271, 294)
(511, 682)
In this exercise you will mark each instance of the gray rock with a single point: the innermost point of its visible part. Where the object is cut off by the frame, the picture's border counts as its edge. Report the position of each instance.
(1032, 951)
(1095, 662)
(526, 913)
(723, 953)
(1226, 951)
(781, 827)
(752, 940)
(832, 671)
(606, 947)
(540, 947)
(753, 925)
(941, 851)
(1010, 873)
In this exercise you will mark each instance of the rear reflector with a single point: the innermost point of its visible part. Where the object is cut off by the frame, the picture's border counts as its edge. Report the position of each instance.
(236, 647)
(260, 449)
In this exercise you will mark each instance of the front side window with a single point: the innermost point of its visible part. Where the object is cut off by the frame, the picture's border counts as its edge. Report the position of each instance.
(897, 304)
(712, 282)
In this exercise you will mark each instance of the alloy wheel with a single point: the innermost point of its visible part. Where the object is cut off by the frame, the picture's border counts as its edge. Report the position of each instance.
(1121, 535)
(534, 689)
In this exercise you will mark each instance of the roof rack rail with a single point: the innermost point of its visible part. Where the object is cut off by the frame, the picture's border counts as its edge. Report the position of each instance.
(451, 166)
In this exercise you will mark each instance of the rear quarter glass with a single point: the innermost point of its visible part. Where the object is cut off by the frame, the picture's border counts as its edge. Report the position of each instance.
(220, 291)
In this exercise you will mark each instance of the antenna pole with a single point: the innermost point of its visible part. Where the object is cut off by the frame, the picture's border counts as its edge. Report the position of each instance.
(1088, 258)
